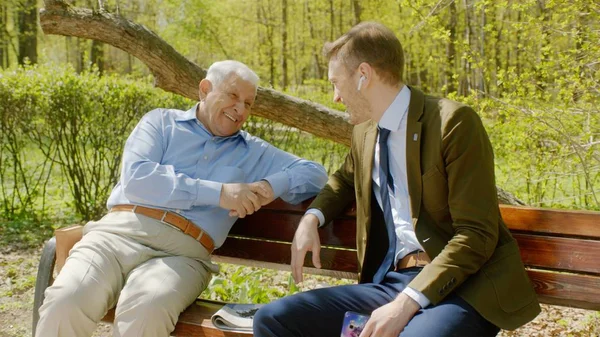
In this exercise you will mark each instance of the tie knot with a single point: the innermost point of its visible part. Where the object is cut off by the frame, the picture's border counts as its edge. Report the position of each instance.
(383, 135)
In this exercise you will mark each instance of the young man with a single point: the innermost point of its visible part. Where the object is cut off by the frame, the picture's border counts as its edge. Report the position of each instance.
(186, 177)
(435, 256)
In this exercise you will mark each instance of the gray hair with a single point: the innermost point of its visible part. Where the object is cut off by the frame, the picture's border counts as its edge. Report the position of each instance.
(219, 71)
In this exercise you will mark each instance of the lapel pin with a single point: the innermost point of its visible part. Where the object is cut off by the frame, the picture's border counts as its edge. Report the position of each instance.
(415, 136)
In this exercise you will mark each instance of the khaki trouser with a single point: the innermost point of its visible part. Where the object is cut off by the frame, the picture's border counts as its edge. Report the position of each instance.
(149, 270)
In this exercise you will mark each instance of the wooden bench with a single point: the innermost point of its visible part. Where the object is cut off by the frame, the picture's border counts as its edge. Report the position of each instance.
(560, 248)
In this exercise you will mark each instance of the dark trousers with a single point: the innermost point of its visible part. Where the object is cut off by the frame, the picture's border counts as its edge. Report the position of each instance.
(320, 312)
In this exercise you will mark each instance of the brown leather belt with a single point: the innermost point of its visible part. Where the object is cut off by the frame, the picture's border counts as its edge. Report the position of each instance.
(414, 259)
(172, 219)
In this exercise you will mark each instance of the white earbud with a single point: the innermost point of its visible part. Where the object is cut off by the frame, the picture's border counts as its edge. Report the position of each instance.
(360, 82)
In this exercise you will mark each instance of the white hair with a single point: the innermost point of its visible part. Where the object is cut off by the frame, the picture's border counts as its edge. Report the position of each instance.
(219, 71)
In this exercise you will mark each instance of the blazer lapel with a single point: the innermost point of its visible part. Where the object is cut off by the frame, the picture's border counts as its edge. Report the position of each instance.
(413, 151)
(368, 152)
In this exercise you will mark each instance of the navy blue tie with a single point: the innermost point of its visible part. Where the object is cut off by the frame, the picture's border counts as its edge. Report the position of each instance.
(385, 179)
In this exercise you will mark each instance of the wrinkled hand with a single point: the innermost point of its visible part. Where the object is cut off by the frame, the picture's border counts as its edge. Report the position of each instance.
(306, 239)
(263, 190)
(239, 198)
(389, 320)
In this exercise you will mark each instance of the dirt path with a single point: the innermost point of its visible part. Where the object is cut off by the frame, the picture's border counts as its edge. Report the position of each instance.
(17, 281)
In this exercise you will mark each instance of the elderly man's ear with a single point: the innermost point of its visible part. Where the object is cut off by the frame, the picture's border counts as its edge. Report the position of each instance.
(205, 87)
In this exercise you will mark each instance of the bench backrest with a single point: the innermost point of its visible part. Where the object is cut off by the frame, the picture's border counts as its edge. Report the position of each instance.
(561, 249)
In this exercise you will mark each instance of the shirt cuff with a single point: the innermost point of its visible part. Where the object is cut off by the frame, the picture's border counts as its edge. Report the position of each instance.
(417, 296)
(319, 215)
(280, 183)
(208, 192)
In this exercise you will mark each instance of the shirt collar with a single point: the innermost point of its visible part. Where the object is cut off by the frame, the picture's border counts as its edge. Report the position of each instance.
(394, 114)
(191, 115)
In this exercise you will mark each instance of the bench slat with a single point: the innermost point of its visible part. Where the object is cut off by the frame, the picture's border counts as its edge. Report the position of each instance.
(552, 221)
(281, 206)
(565, 289)
(282, 226)
(194, 321)
(573, 255)
(276, 252)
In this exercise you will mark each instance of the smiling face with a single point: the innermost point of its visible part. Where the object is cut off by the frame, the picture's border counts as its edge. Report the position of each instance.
(224, 108)
(345, 91)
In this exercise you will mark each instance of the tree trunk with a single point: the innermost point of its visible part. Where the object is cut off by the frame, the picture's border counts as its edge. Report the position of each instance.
(465, 83)
(27, 28)
(284, 65)
(498, 24)
(451, 50)
(311, 30)
(331, 20)
(97, 55)
(482, 57)
(545, 41)
(357, 10)
(3, 37)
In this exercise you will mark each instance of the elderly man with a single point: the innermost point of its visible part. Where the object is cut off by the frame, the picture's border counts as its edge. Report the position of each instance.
(186, 177)
(436, 258)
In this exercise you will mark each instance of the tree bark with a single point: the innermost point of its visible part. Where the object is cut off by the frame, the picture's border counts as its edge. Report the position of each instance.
(174, 73)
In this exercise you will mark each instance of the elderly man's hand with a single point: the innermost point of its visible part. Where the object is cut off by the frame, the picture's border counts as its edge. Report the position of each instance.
(263, 191)
(239, 198)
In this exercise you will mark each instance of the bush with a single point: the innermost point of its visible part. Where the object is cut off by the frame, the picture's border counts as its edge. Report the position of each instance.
(54, 119)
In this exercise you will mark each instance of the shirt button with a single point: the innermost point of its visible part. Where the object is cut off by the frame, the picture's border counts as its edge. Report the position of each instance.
(205, 157)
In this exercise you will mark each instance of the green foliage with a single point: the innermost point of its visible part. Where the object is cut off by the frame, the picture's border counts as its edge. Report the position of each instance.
(54, 119)
(246, 285)
(241, 284)
(546, 154)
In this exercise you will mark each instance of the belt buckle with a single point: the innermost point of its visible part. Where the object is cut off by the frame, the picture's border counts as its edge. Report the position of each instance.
(168, 224)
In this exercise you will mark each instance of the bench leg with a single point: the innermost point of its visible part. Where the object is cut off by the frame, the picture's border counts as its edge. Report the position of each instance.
(44, 278)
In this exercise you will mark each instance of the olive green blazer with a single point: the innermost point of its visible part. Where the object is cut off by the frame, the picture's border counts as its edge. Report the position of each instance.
(454, 207)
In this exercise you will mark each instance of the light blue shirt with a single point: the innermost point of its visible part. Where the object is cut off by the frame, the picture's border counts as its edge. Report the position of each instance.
(171, 161)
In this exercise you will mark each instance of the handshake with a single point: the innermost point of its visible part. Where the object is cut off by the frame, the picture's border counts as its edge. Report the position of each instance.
(244, 199)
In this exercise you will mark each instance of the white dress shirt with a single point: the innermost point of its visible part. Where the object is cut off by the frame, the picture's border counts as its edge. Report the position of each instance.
(395, 119)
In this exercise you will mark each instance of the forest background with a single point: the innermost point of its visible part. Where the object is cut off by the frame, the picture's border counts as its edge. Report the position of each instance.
(531, 68)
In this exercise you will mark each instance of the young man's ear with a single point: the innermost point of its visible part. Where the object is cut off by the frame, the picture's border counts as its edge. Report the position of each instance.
(366, 73)
(204, 88)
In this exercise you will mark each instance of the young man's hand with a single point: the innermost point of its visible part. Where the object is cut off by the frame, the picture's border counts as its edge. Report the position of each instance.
(306, 239)
(389, 320)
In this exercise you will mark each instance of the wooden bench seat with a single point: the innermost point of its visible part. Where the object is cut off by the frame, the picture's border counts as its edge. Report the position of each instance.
(560, 249)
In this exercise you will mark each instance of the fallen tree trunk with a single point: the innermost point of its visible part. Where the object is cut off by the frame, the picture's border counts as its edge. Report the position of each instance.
(174, 73)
